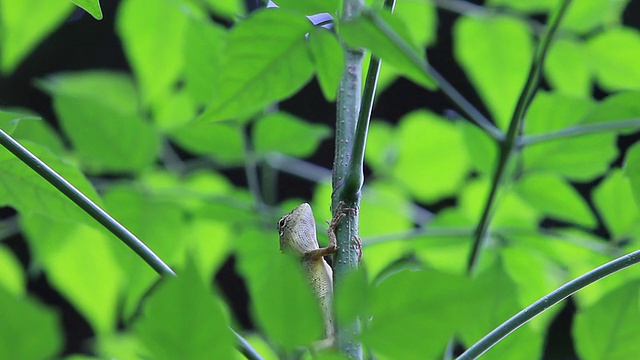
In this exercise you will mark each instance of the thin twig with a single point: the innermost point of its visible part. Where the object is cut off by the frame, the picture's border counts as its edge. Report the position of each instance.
(508, 145)
(85, 204)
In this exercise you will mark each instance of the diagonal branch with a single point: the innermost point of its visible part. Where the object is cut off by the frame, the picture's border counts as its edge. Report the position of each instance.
(507, 146)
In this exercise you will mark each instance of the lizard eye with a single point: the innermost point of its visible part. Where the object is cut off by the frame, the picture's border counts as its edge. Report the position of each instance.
(281, 223)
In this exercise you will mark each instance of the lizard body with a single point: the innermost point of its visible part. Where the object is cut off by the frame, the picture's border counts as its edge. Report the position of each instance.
(297, 231)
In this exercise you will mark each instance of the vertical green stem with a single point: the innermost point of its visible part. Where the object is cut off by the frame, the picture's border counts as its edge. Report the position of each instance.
(348, 107)
(507, 146)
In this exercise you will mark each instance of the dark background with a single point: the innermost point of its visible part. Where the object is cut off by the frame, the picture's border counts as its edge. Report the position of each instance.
(83, 43)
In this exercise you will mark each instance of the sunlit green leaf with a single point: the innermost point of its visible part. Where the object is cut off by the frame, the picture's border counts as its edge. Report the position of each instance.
(624, 105)
(554, 197)
(266, 60)
(156, 221)
(9, 119)
(221, 140)
(328, 57)
(420, 18)
(436, 301)
(227, 8)
(29, 330)
(152, 34)
(80, 263)
(182, 319)
(498, 72)
(287, 134)
(604, 329)
(39, 132)
(568, 69)
(203, 47)
(532, 285)
(99, 113)
(612, 54)
(35, 195)
(632, 170)
(13, 278)
(494, 299)
(481, 148)
(614, 200)
(421, 137)
(381, 146)
(364, 31)
(586, 15)
(24, 24)
(90, 6)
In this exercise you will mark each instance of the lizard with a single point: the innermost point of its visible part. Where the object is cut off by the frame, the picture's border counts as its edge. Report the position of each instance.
(297, 231)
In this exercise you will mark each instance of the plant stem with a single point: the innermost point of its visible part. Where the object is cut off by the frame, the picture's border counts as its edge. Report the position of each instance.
(472, 113)
(85, 203)
(577, 130)
(507, 146)
(548, 301)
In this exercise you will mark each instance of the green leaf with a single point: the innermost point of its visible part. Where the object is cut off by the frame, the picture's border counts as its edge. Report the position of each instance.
(328, 57)
(152, 34)
(310, 7)
(230, 9)
(604, 330)
(619, 106)
(39, 132)
(266, 60)
(287, 134)
(13, 278)
(420, 19)
(36, 195)
(568, 69)
(221, 140)
(386, 36)
(352, 297)
(581, 158)
(29, 330)
(614, 199)
(155, 220)
(495, 299)
(481, 148)
(435, 302)
(90, 6)
(24, 24)
(81, 265)
(381, 146)
(551, 112)
(612, 54)
(553, 196)
(9, 119)
(496, 70)
(577, 158)
(197, 331)
(99, 113)
(632, 170)
(203, 48)
(421, 137)
(587, 15)
(289, 321)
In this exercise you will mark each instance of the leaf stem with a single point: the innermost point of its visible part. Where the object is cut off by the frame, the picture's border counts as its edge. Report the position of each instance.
(474, 114)
(507, 146)
(577, 130)
(85, 203)
(548, 301)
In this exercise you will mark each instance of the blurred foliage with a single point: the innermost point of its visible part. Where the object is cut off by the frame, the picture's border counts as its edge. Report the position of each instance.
(204, 89)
